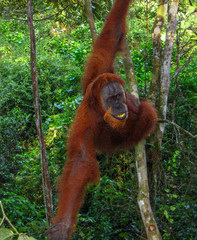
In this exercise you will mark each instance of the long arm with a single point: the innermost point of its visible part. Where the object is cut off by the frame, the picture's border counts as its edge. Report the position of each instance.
(80, 170)
(108, 43)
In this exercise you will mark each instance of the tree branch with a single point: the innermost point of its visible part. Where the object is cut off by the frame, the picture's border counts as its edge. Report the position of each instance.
(25, 12)
(41, 19)
(6, 218)
(12, 18)
(90, 17)
(35, 20)
(193, 30)
(17, 12)
(181, 69)
(43, 10)
(178, 127)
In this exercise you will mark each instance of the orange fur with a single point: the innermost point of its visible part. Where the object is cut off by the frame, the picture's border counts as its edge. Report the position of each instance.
(93, 128)
(114, 123)
(108, 43)
(146, 122)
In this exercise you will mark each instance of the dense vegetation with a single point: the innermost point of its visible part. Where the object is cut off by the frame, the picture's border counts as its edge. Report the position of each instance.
(110, 210)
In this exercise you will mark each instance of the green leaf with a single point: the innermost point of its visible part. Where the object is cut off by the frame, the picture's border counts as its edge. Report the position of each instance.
(172, 208)
(175, 196)
(5, 233)
(191, 9)
(124, 235)
(166, 214)
(25, 237)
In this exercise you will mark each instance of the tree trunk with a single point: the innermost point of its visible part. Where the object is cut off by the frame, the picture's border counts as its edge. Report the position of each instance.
(129, 71)
(165, 68)
(44, 164)
(90, 19)
(160, 83)
(157, 51)
(153, 152)
(150, 224)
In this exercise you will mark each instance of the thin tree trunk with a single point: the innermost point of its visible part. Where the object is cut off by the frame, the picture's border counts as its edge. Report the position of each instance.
(90, 19)
(157, 51)
(150, 224)
(129, 71)
(44, 164)
(165, 68)
(160, 83)
(176, 77)
(153, 152)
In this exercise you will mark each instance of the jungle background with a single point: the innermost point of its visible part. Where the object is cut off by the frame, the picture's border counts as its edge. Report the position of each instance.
(63, 41)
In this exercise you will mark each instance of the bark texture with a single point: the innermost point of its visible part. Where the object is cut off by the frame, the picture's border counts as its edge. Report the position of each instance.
(44, 164)
(154, 153)
(150, 224)
(157, 51)
(160, 83)
(129, 71)
(165, 68)
(91, 19)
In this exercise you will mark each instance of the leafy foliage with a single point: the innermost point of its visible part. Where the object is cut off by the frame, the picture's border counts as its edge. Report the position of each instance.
(110, 210)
